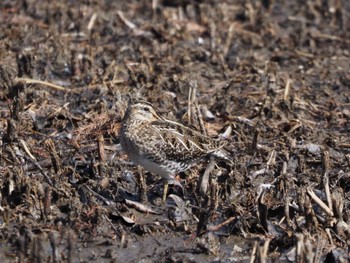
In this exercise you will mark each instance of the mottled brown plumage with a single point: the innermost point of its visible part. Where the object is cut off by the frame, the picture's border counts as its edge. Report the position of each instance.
(162, 146)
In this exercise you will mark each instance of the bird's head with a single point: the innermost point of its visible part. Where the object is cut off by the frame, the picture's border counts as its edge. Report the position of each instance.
(142, 111)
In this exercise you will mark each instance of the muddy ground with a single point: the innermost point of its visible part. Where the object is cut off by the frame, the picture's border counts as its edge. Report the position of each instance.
(271, 78)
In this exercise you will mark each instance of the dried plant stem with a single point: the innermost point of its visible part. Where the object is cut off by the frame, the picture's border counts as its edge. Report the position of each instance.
(325, 179)
(191, 99)
(45, 83)
(226, 222)
(25, 147)
(287, 90)
(317, 200)
(200, 120)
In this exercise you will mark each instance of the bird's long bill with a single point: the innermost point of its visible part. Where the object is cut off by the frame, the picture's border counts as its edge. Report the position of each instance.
(155, 114)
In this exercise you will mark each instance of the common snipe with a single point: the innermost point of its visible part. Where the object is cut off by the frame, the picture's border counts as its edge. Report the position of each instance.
(162, 146)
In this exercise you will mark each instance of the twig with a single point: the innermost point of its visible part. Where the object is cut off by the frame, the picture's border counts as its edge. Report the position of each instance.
(46, 163)
(54, 156)
(49, 181)
(325, 163)
(237, 29)
(344, 145)
(105, 200)
(320, 35)
(32, 158)
(45, 83)
(255, 140)
(200, 119)
(320, 202)
(319, 248)
(92, 21)
(304, 54)
(287, 89)
(101, 155)
(128, 23)
(25, 147)
(217, 227)
(113, 227)
(263, 250)
(140, 207)
(253, 254)
(71, 240)
(191, 97)
(337, 236)
(329, 235)
(271, 159)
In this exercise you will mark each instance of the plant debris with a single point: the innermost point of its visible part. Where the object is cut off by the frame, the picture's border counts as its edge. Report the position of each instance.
(270, 78)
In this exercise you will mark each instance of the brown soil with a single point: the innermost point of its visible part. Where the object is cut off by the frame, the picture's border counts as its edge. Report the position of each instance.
(272, 78)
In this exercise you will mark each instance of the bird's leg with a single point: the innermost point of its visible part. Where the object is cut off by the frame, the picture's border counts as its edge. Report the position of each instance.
(142, 186)
(165, 191)
(166, 186)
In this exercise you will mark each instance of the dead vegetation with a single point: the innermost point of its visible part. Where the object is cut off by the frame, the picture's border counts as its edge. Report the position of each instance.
(271, 78)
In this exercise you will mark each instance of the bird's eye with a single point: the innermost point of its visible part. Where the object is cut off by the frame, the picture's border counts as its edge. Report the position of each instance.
(146, 109)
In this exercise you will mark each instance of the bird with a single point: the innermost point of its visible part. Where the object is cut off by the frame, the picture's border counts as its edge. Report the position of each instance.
(164, 147)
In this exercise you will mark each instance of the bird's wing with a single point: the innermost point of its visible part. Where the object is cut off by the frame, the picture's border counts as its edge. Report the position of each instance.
(179, 142)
